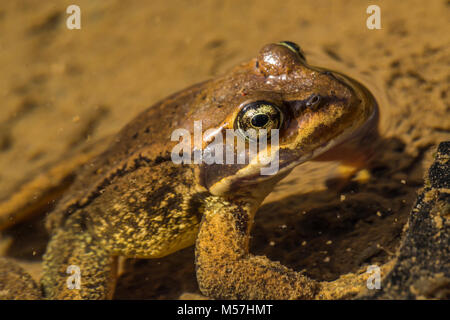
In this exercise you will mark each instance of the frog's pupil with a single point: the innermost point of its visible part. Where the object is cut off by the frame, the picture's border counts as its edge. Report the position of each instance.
(260, 120)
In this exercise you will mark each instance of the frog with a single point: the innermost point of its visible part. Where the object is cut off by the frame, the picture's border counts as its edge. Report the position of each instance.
(134, 201)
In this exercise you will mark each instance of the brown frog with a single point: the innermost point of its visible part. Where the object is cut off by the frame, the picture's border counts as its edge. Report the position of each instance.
(134, 201)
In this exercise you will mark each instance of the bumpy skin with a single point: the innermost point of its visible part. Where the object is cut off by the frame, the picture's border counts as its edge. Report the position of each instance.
(133, 201)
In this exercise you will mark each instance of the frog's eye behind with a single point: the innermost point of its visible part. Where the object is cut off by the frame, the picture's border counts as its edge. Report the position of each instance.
(294, 47)
(258, 115)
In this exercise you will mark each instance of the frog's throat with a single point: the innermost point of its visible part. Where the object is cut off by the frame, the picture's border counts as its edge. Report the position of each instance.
(251, 174)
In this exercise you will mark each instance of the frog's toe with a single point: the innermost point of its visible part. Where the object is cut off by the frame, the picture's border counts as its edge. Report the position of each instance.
(15, 283)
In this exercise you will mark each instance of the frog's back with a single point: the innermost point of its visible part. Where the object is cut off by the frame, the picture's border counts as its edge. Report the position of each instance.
(145, 141)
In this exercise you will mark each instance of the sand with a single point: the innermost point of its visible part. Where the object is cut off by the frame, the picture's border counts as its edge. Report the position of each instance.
(66, 92)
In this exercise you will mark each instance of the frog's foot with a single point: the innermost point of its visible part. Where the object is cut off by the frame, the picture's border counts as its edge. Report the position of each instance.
(226, 270)
(76, 266)
(15, 283)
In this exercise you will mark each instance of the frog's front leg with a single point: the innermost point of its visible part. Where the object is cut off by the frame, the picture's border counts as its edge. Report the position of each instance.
(226, 269)
(76, 266)
(355, 154)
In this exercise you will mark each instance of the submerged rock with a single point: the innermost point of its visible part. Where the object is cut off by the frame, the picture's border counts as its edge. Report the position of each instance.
(422, 267)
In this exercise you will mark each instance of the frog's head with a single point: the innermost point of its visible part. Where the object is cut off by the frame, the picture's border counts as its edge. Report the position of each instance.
(314, 110)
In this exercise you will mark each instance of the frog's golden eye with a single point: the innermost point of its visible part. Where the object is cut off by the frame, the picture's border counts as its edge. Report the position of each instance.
(256, 116)
(294, 47)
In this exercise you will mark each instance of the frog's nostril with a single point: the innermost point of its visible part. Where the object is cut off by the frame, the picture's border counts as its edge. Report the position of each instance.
(313, 101)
